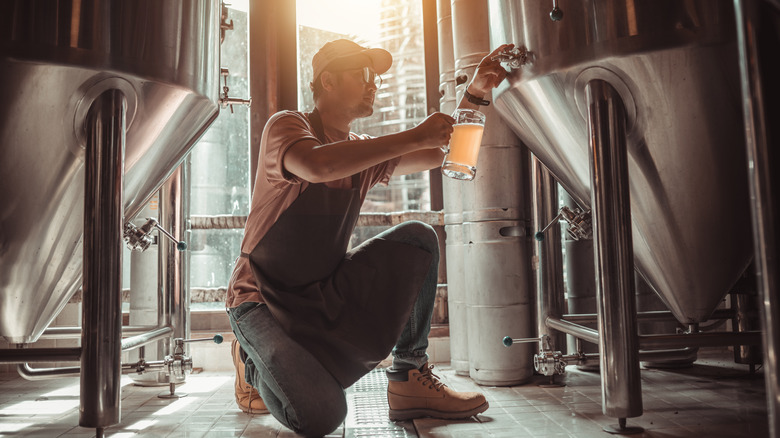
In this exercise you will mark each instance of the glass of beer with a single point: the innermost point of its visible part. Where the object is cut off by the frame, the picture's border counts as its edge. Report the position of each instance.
(461, 159)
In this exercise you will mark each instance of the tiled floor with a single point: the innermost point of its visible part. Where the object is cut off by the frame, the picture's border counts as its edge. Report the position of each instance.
(714, 399)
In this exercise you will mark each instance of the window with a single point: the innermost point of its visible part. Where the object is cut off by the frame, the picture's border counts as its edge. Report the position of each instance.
(219, 166)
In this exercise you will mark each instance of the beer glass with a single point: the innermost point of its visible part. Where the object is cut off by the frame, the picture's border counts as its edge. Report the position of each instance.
(461, 159)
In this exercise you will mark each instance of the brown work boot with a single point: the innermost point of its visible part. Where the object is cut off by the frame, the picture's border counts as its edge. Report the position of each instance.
(420, 393)
(247, 397)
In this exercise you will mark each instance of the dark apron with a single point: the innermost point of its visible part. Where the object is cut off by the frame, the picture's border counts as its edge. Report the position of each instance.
(347, 309)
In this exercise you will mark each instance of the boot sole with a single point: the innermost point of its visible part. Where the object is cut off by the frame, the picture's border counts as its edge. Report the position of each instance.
(410, 414)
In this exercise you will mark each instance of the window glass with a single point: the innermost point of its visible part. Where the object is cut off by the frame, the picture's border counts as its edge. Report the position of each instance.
(219, 166)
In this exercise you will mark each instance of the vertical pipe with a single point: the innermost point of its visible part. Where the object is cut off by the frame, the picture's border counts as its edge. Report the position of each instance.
(548, 254)
(758, 43)
(173, 278)
(102, 306)
(620, 380)
(453, 205)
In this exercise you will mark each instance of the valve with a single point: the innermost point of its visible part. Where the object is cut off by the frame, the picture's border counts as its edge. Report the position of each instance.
(139, 238)
(580, 223)
(547, 362)
(513, 58)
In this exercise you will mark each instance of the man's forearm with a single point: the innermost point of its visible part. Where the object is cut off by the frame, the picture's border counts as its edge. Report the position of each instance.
(320, 163)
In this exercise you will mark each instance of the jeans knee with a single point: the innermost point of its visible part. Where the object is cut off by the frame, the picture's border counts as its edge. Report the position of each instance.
(328, 418)
(424, 234)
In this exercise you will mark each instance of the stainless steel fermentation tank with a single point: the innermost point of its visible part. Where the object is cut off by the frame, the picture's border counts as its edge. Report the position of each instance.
(674, 66)
(57, 57)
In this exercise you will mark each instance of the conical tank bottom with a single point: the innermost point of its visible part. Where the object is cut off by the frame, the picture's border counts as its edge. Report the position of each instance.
(687, 166)
(163, 56)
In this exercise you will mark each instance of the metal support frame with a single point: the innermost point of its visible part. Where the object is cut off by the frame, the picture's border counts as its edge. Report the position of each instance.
(758, 45)
(621, 386)
(548, 253)
(102, 305)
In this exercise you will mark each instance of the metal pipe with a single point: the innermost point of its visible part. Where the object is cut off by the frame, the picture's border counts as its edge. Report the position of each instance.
(102, 306)
(75, 332)
(644, 356)
(576, 330)
(620, 380)
(654, 315)
(29, 373)
(548, 252)
(145, 338)
(719, 339)
(758, 47)
(173, 279)
(40, 355)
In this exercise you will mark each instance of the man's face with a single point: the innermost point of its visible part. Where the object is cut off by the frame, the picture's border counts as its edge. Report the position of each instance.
(352, 87)
(356, 93)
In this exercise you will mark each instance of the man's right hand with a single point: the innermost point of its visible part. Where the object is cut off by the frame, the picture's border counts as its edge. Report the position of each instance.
(434, 131)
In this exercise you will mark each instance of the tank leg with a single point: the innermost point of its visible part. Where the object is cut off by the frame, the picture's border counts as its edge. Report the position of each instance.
(549, 273)
(621, 388)
(758, 43)
(102, 306)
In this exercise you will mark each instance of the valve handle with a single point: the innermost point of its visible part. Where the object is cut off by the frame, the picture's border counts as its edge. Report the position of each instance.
(218, 338)
(180, 244)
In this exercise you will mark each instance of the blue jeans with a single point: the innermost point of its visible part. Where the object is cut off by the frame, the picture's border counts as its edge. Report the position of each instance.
(296, 388)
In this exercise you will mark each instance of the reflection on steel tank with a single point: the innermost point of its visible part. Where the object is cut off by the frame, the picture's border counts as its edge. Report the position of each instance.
(57, 57)
(674, 65)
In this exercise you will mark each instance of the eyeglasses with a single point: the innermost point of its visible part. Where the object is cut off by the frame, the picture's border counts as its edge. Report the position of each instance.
(371, 77)
(368, 75)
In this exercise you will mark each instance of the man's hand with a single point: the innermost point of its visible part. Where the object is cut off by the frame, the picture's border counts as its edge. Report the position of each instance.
(434, 131)
(489, 73)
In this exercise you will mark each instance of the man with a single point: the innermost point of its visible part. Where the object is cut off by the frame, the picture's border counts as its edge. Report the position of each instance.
(309, 316)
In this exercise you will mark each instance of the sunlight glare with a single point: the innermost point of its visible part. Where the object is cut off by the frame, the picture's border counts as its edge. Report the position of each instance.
(40, 407)
(196, 385)
(176, 406)
(13, 427)
(350, 17)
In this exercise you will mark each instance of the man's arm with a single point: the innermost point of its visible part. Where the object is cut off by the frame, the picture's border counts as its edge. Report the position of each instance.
(488, 75)
(317, 163)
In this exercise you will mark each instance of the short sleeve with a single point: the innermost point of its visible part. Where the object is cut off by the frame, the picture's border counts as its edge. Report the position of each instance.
(282, 131)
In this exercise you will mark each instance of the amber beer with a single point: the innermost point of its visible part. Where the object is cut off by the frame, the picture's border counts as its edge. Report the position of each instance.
(461, 159)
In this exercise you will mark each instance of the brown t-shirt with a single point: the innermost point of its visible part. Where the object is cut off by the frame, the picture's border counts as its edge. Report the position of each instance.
(276, 189)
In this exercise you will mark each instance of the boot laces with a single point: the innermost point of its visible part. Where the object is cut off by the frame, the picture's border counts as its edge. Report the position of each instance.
(427, 377)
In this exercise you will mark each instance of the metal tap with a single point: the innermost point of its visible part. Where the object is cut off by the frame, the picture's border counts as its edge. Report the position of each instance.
(226, 100)
(513, 58)
(140, 238)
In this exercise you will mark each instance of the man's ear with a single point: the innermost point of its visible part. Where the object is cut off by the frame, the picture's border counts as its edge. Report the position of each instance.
(328, 80)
